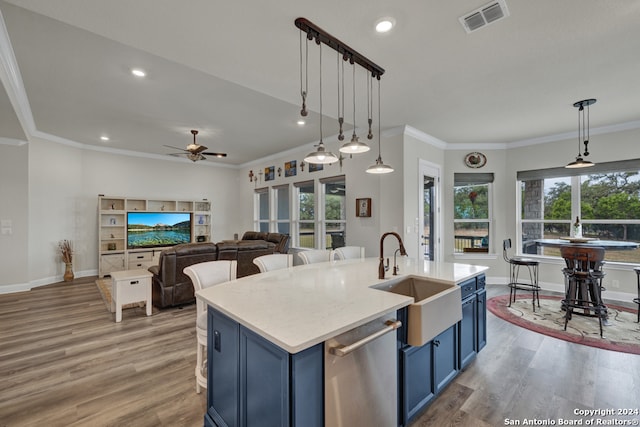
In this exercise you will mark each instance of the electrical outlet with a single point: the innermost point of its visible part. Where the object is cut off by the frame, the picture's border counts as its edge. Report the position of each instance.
(615, 283)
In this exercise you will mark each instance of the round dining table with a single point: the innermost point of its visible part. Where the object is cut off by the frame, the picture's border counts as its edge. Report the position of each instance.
(607, 244)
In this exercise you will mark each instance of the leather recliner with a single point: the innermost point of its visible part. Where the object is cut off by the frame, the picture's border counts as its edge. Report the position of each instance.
(170, 286)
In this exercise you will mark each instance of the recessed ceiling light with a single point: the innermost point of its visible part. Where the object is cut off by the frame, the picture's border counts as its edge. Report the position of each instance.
(104, 138)
(138, 72)
(301, 122)
(385, 25)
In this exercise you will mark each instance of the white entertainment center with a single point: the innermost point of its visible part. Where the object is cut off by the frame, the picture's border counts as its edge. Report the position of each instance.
(114, 252)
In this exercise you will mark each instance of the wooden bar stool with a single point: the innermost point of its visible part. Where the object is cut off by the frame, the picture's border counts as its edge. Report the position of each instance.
(583, 277)
(514, 269)
(637, 300)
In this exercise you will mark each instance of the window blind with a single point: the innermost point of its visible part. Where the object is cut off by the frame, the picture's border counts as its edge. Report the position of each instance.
(604, 167)
(460, 179)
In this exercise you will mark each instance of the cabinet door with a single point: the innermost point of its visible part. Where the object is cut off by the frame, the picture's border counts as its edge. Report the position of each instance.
(445, 358)
(481, 319)
(417, 382)
(264, 375)
(307, 387)
(223, 369)
(467, 331)
(109, 263)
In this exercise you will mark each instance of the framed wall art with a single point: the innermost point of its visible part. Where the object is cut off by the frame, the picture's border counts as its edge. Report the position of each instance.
(290, 168)
(363, 207)
(314, 167)
(269, 173)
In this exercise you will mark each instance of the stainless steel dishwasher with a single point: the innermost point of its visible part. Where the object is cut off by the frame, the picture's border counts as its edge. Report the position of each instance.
(361, 376)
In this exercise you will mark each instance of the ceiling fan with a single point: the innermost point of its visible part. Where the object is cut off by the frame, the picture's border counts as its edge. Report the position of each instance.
(195, 152)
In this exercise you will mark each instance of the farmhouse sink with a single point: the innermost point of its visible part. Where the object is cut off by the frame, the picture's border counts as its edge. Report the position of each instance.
(435, 308)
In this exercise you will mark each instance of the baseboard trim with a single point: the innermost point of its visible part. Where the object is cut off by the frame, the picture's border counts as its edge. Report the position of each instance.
(23, 287)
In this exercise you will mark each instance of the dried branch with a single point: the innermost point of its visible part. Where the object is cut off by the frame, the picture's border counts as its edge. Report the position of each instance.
(66, 251)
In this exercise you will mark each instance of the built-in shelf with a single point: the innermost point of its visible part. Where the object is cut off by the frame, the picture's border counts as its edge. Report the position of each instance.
(113, 252)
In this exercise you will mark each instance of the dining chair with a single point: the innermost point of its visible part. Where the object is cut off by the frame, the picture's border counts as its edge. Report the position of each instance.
(348, 252)
(583, 282)
(515, 262)
(204, 275)
(273, 262)
(313, 256)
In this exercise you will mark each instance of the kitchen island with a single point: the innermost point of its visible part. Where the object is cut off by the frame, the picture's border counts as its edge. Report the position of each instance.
(266, 335)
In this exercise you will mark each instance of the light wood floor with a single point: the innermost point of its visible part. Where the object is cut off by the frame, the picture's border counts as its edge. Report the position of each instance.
(65, 362)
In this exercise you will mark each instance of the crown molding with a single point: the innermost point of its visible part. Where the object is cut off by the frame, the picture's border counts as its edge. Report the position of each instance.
(11, 141)
(619, 127)
(12, 79)
(424, 137)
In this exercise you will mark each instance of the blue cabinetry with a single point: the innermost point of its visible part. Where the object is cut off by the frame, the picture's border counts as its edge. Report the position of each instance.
(223, 367)
(468, 341)
(481, 318)
(445, 358)
(416, 379)
(253, 382)
(473, 326)
(425, 371)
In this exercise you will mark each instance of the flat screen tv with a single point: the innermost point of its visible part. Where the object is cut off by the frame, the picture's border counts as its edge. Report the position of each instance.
(154, 229)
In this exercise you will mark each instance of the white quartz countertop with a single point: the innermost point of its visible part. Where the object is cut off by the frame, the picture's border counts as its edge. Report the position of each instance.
(299, 307)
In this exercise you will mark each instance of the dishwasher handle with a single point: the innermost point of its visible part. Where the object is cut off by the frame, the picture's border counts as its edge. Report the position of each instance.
(343, 350)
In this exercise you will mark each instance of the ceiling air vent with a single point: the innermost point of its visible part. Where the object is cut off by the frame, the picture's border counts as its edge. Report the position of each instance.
(485, 15)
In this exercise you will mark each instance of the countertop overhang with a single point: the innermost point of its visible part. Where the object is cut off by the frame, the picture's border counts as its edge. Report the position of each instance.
(299, 307)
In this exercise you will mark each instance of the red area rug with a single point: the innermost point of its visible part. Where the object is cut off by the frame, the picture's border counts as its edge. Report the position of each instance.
(622, 334)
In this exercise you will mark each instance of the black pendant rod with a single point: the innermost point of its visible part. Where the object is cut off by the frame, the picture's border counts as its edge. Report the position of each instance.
(348, 54)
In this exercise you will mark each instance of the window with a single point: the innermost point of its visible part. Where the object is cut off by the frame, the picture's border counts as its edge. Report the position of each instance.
(335, 212)
(321, 221)
(605, 197)
(472, 212)
(262, 209)
(282, 209)
(306, 221)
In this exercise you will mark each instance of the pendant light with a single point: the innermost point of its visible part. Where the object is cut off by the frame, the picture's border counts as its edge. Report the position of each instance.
(345, 53)
(354, 146)
(321, 156)
(379, 167)
(583, 135)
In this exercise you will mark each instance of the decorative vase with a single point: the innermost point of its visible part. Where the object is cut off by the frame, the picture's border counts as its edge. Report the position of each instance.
(68, 272)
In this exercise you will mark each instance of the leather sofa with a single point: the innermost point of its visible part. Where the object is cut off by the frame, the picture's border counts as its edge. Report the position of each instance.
(279, 240)
(171, 287)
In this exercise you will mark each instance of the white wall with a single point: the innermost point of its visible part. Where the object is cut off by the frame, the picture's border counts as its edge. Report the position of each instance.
(502, 227)
(63, 187)
(416, 148)
(603, 148)
(14, 207)
(505, 164)
(385, 212)
(50, 192)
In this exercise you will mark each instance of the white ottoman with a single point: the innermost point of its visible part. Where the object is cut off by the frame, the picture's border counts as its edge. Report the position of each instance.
(130, 286)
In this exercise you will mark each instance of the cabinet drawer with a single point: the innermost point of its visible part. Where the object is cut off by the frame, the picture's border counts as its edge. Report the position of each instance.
(480, 282)
(140, 256)
(135, 265)
(468, 287)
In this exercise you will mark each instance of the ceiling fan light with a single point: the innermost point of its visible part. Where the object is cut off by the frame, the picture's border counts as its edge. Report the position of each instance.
(321, 156)
(379, 167)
